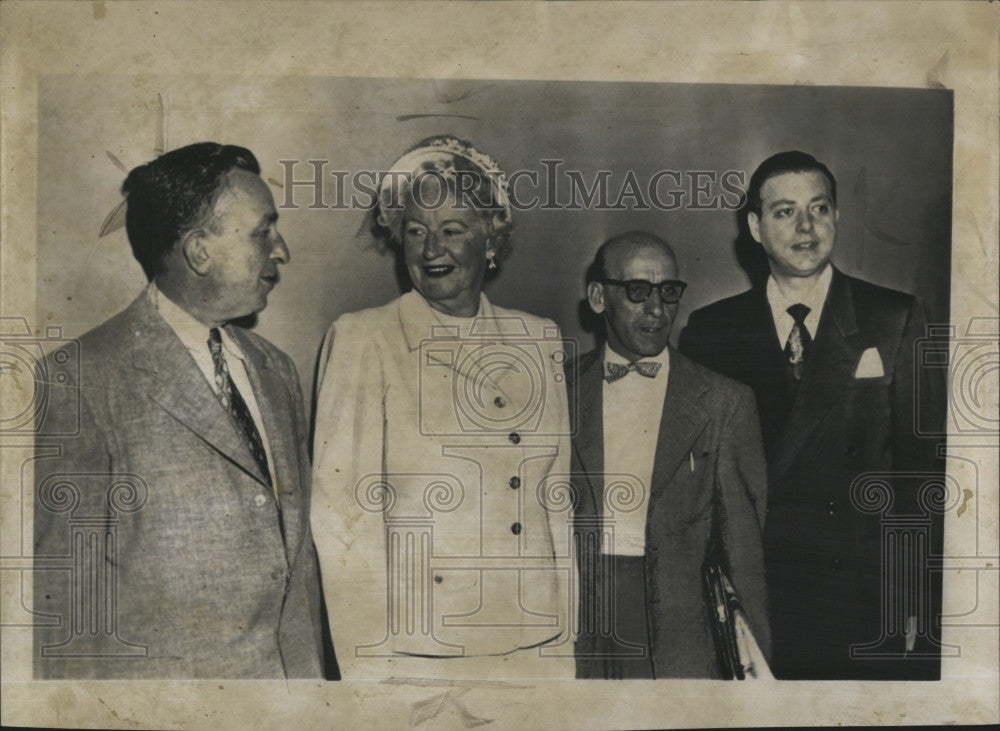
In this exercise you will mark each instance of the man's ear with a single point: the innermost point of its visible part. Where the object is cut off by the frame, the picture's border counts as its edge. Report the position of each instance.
(753, 223)
(195, 252)
(595, 297)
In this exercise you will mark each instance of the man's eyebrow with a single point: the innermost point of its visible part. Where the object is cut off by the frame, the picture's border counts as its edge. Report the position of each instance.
(790, 202)
(781, 202)
(268, 218)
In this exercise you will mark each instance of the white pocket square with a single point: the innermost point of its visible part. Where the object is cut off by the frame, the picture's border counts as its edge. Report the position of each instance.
(870, 365)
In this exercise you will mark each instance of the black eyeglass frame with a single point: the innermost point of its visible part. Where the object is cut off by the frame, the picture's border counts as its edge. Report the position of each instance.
(628, 284)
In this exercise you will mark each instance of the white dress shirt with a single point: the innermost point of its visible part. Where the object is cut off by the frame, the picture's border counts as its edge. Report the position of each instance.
(633, 406)
(814, 299)
(194, 335)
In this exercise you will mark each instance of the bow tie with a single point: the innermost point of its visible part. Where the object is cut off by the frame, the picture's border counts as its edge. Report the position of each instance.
(615, 371)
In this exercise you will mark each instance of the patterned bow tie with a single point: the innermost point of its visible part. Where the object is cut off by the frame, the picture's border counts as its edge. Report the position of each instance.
(615, 371)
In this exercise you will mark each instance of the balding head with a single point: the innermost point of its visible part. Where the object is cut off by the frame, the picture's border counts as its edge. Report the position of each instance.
(615, 251)
(636, 327)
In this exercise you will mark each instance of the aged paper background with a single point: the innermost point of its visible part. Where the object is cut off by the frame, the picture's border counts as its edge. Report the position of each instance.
(914, 45)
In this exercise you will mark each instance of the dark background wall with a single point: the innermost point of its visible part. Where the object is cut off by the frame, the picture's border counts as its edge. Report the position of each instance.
(889, 148)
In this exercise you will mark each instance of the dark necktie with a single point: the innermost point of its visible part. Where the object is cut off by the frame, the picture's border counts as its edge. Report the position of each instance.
(615, 371)
(799, 340)
(231, 399)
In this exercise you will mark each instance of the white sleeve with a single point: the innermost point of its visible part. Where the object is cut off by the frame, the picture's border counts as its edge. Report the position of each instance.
(347, 522)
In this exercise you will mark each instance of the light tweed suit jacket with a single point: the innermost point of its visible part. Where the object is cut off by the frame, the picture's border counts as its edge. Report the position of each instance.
(160, 550)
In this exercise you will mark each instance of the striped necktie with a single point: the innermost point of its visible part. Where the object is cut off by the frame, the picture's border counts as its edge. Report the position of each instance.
(233, 402)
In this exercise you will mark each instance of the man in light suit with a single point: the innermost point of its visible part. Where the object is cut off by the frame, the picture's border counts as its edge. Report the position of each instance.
(668, 471)
(172, 535)
(831, 361)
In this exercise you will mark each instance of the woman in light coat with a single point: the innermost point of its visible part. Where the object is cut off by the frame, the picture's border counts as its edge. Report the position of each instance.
(441, 455)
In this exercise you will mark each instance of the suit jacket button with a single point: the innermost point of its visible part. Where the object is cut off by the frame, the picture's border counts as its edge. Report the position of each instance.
(276, 574)
(259, 500)
(514, 437)
(514, 482)
(516, 529)
(499, 402)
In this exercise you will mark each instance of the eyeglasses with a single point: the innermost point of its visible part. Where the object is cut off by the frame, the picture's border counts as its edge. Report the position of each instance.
(638, 290)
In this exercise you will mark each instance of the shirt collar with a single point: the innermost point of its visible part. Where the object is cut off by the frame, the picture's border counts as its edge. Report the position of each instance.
(420, 321)
(192, 333)
(813, 299)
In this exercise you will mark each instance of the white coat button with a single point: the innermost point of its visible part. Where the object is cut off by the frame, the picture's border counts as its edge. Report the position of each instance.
(259, 500)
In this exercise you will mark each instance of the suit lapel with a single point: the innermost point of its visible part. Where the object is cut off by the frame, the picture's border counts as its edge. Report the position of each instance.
(682, 421)
(180, 387)
(828, 371)
(589, 441)
(769, 349)
(276, 408)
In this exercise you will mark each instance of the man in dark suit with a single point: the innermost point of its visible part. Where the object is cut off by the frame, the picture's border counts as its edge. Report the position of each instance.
(172, 535)
(831, 361)
(668, 471)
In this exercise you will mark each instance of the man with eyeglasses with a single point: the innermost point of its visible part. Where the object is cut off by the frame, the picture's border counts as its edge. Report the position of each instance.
(668, 470)
(831, 360)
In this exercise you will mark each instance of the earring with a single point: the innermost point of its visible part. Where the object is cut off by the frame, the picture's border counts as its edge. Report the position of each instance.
(493, 262)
